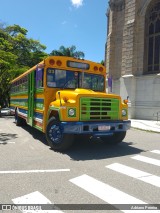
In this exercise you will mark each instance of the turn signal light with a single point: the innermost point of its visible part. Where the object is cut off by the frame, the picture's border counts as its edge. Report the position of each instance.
(95, 68)
(59, 63)
(51, 61)
(101, 69)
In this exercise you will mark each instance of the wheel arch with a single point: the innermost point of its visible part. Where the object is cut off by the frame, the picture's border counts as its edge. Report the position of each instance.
(54, 113)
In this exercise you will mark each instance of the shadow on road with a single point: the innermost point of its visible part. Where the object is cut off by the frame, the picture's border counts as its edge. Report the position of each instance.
(4, 137)
(84, 149)
(89, 149)
(96, 149)
(36, 134)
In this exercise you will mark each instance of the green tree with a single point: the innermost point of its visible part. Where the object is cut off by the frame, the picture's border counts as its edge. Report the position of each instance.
(28, 51)
(17, 54)
(102, 62)
(68, 51)
(7, 60)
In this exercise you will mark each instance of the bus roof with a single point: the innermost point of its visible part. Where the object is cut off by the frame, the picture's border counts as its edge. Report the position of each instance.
(46, 61)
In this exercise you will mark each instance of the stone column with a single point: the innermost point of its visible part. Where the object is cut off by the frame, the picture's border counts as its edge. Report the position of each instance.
(127, 83)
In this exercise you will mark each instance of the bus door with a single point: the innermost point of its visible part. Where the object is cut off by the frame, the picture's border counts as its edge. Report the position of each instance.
(31, 98)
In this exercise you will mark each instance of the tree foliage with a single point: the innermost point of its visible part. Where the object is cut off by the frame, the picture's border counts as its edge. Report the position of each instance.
(102, 62)
(68, 51)
(17, 54)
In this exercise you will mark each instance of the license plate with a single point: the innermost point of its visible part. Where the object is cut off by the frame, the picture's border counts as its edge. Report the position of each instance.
(103, 128)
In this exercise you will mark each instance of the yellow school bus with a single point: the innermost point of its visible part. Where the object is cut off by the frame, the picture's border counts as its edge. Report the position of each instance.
(65, 97)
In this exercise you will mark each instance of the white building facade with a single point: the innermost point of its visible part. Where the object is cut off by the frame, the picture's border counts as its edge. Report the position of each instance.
(133, 54)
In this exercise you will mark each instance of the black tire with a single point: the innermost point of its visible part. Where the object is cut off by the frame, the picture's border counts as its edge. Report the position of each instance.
(55, 137)
(116, 138)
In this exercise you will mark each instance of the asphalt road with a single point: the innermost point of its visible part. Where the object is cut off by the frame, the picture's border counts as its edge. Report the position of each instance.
(89, 173)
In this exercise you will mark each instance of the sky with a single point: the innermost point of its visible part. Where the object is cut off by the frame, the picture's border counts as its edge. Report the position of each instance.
(82, 23)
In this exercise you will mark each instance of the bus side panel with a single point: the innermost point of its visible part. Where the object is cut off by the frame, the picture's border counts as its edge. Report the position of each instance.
(38, 118)
(50, 95)
(20, 102)
(31, 98)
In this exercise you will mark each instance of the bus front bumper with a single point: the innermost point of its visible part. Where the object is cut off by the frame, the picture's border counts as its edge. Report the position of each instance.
(95, 128)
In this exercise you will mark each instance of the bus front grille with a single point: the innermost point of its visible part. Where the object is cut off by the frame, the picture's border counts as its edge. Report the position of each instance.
(99, 109)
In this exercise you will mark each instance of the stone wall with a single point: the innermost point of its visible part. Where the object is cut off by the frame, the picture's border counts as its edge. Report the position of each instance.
(126, 60)
(143, 92)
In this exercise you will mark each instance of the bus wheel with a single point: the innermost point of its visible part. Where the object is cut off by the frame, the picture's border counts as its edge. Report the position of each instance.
(116, 138)
(55, 137)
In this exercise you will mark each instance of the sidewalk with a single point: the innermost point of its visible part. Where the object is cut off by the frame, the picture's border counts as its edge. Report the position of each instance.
(147, 125)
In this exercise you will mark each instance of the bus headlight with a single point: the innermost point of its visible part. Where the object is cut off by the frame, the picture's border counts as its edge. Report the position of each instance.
(124, 112)
(72, 112)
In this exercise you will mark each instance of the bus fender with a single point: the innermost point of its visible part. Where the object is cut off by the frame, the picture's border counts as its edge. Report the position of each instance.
(55, 114)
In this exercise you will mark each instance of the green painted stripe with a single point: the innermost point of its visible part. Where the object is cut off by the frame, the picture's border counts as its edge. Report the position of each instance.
(39, 103)
(37, 127)
(20, 102)
(39, 90)
(19, 93)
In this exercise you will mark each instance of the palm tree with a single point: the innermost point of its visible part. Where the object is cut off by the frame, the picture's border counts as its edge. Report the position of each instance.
(68, 51)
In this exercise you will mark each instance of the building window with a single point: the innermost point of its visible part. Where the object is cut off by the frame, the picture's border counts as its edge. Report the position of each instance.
(153, 38)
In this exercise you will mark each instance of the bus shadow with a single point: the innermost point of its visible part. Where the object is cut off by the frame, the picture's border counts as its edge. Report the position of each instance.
(36, 134)
(96, 150)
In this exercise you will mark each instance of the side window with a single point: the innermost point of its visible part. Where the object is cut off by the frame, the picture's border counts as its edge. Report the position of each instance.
(20, 85)
(39, 77)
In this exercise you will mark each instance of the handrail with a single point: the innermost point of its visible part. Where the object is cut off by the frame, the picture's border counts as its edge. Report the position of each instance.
(157, 114)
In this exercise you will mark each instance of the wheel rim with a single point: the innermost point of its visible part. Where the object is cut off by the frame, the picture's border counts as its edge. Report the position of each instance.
(55, 134)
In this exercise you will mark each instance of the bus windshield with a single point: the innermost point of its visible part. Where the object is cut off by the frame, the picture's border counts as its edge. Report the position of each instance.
(71, 80)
